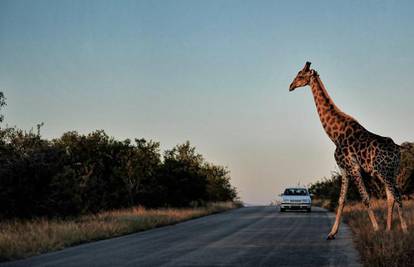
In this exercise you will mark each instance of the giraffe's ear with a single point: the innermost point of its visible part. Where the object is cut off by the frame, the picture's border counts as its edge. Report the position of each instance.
(307, 66)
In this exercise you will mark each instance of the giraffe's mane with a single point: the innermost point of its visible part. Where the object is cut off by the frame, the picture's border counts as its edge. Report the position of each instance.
(333, 103)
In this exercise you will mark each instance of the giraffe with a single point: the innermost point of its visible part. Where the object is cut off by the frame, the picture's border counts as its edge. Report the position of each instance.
(357, 151)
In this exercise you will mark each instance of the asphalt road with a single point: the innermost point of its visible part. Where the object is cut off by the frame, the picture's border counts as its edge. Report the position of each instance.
(252, 236)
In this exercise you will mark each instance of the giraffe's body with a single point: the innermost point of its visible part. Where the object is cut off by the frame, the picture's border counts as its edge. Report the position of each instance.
(372, 153)
(357, 150)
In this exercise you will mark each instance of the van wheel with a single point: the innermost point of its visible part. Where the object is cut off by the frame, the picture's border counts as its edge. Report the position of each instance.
(282, 210)
(308, 210)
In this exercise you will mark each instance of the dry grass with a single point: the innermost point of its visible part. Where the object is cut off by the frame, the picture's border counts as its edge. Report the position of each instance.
(382, 248)
(20, 239)
(323, 203)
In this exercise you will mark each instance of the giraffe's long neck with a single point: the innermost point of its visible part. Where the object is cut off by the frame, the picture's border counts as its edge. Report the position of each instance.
(334, 121)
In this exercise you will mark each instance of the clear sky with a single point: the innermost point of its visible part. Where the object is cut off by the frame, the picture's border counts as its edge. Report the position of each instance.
(212, 72)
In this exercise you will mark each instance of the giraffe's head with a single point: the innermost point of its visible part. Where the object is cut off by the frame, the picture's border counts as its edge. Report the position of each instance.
(303, 78)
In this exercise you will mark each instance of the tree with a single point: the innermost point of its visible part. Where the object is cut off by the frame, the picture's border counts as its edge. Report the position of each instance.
(77, 174)
(181, 176)
(140, 165)
(406, 178)
(2, 104)
(219, 187)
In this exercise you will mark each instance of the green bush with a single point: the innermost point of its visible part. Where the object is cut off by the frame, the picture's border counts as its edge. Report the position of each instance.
(78, 174)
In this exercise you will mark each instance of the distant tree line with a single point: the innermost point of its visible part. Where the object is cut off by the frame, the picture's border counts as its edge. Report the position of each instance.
(77, 174)
(329, 188)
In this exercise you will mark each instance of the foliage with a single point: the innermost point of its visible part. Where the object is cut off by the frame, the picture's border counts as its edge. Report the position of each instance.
(182, 176)
(79, 174)
(218, 183)
(2, 103)
(406, 179)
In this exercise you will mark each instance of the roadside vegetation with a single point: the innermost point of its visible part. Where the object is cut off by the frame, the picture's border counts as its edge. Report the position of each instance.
(82, 187)
(376, 248)
(22, 238)
(387, 249)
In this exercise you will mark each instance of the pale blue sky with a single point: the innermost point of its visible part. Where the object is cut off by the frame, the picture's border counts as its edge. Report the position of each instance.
(212, 72)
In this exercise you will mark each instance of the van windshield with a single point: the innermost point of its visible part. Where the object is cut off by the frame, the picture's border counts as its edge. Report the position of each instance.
(295, 192)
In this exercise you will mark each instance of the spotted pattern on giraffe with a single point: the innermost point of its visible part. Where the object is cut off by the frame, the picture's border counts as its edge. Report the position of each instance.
(357, 150)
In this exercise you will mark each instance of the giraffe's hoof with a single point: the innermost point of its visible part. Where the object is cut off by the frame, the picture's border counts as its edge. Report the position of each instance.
(330, 237)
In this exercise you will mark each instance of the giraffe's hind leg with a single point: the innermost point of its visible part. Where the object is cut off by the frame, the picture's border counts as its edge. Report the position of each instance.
(365, 198)
(393, 195)
(386, 168)
(395, 192)
(390, 206)
(397, 196)
(400, 214)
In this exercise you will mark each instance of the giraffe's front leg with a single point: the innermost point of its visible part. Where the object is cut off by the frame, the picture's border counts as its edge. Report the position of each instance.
(341, 203)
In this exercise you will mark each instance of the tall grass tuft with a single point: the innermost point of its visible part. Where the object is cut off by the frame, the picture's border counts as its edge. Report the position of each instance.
(24, 238)
(382, 248)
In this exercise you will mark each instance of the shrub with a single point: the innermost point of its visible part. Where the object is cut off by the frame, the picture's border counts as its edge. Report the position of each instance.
(78, 174)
